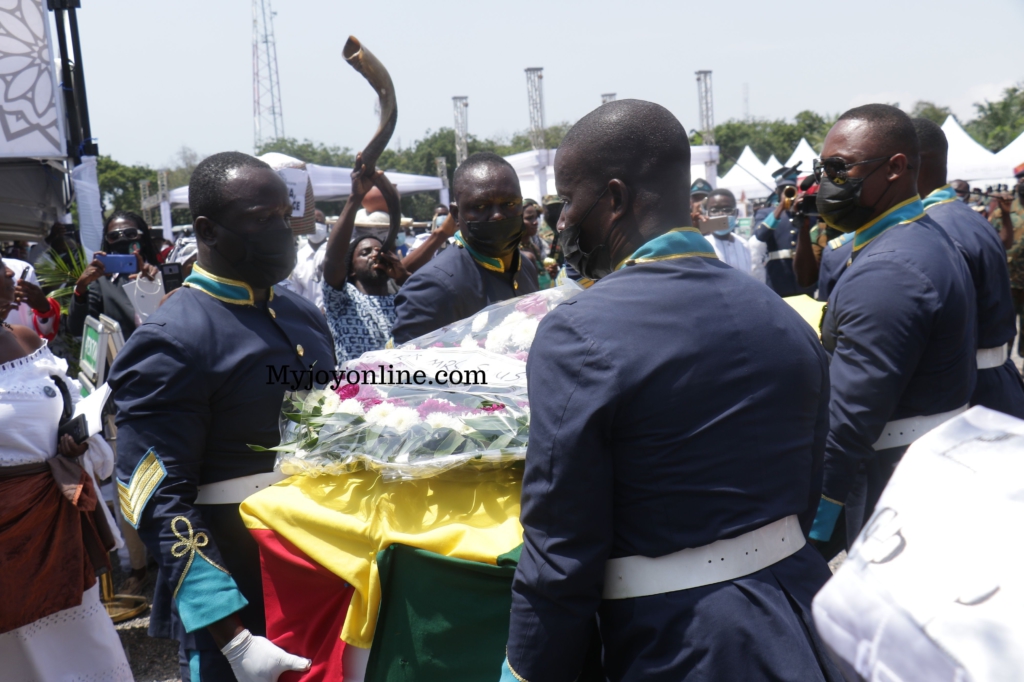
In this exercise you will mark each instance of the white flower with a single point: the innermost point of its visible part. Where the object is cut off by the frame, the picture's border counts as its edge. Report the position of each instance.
(468, 342)
(331, 403)
(498, 339)
(514, 317)
(351, 406)
(523, 333)
(378, 413)
(440, 420)
(479, 322)
(402, 419)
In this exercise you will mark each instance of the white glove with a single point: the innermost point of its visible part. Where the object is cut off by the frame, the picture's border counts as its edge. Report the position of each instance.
(257, 659)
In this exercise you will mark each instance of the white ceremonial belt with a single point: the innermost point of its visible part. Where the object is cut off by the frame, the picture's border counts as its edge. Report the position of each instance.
(641, 576)
(993, 357)
(780, 254)
(901, 432)
(234, 490)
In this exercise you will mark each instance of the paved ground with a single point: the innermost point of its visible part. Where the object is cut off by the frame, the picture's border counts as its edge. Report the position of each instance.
(152, 660)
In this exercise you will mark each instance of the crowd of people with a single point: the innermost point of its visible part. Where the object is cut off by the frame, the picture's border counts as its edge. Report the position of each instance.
(680, 408)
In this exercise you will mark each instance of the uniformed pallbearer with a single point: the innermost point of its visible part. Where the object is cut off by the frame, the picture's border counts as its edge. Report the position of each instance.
(900, 323)
(485, 267)
(673, 465)
(999, 385)
(192, 388)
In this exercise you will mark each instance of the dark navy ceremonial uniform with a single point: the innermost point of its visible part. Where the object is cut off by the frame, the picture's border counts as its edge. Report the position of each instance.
(455, 285)
(659, 423)
(998, 388)
(192, 390)
(834, 258)
(780, 237)
(902, 330)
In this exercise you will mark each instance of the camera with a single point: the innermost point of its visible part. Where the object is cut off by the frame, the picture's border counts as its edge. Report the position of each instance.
(806, 205)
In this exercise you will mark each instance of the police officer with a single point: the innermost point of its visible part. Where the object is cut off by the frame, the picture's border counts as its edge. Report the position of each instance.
(776, 229)
(486, 267)
(900, 322)
(643, 488)
(194, 388)
(999, 385)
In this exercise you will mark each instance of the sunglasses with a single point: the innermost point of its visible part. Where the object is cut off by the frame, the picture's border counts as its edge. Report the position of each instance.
(837, 169)
(128, 234)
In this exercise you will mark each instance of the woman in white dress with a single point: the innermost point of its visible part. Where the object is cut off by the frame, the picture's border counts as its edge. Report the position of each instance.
(53, 538)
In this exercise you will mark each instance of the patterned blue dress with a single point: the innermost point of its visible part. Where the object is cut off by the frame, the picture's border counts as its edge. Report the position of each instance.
(359, 322)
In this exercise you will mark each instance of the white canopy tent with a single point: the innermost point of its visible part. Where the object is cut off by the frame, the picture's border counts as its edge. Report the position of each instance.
(1012, 155)
(748, 177)
(805, 155)
(536, 169)
(772, 165)
(968, 160)
(332, 184)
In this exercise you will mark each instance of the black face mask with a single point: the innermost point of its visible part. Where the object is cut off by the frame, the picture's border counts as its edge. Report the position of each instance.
(269, 256)
(594, 264)
(494, 238)
(839, 205)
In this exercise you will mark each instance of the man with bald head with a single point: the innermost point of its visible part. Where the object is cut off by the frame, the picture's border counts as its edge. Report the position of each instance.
(901, 322)
(485, 267)
(999, 385)
(673, 465)
(192, 392)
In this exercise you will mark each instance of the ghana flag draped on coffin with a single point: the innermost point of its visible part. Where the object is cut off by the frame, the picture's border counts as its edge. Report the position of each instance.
(401, 529)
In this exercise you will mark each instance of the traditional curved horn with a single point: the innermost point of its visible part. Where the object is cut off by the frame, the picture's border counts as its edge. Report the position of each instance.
(363, 61)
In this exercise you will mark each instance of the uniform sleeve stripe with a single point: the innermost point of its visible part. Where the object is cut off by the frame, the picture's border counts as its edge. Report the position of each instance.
(134, 497)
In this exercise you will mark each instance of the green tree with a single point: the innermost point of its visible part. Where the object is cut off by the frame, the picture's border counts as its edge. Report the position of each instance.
(310, 152)
(119, 184)
(999, 123)
(764, 138)
(931, 111)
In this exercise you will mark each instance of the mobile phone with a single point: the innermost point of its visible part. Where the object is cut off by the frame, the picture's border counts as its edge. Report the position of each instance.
(78, 428)
(115, 263)
(24, 273)
(171, 275)
(709, 225)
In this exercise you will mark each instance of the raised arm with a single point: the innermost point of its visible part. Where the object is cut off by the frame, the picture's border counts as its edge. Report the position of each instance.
(336, 257)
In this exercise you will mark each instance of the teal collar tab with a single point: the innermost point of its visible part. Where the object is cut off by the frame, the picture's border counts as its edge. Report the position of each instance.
(681, 242)
(939, 196)
(221, 288)
(904, 212)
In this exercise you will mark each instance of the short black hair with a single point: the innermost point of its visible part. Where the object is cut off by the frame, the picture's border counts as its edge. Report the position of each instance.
(145, 240)
(722, 192)
(891, 127)
(204, 187)
(475, 161)
(930, 138)
(633, 140)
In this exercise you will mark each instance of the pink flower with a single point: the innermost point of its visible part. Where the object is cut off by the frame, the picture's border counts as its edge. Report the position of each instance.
(494, 408)
(521, 355)
(370, 402)
(438, 345)
(444, 406)
(532, 305)
(346, 391)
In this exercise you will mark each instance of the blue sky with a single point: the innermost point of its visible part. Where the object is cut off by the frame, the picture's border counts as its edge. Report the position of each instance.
(165, 74)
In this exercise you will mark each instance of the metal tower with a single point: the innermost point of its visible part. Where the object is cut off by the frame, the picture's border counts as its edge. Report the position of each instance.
(268, 121)
(461, 106)
(535, 94)
(707, 107)
(607, 97)
(442, 173)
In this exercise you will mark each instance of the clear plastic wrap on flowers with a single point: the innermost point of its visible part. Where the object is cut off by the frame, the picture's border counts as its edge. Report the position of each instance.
(454, 397)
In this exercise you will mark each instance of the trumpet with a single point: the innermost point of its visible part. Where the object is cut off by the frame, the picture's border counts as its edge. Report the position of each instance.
(788, 196)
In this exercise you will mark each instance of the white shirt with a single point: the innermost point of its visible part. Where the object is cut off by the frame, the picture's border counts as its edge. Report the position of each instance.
(758, 257)
(308, 274)
(23, 313)
(732, 249)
